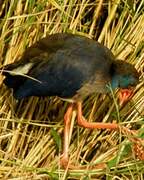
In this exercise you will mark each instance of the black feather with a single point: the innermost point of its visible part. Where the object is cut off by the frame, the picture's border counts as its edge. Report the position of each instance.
(64, 65)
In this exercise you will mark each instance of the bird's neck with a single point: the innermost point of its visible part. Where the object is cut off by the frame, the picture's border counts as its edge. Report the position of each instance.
(115, 82)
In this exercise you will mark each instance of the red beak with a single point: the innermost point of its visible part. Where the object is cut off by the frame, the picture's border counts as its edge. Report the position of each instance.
(124, 95)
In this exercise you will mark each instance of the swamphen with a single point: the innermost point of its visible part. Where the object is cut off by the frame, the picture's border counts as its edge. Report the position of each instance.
(70, 67)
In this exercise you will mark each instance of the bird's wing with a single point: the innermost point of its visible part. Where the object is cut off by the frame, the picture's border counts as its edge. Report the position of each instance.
(60, 76)
(48, 45)
(64, 63)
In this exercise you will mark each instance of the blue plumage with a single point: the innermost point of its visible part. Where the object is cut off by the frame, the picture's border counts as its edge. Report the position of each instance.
(68, 66)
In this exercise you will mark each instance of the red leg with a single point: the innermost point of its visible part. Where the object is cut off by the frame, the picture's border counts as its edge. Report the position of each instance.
(138, 148)
(138, 143)
(82, 122)
(67, 120)
(65, 156)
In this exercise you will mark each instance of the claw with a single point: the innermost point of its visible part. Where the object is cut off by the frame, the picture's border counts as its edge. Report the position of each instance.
(139, 150)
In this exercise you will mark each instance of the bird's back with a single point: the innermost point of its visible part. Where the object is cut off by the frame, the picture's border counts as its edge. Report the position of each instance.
(62, 65)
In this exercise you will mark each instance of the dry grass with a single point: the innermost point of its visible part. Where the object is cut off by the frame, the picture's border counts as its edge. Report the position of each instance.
(31, 130)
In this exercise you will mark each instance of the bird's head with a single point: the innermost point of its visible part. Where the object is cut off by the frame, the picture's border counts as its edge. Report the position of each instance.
(125, 77)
